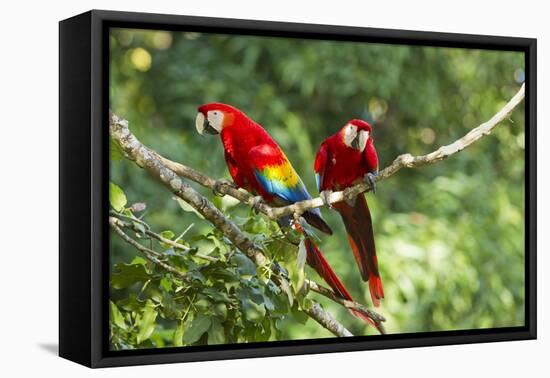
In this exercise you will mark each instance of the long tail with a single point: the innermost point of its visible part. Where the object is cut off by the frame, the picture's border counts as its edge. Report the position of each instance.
(317, 261)
(358, 224)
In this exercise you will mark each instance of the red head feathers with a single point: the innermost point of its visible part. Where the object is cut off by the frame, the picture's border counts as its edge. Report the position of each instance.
(212, 118)
(361, 125)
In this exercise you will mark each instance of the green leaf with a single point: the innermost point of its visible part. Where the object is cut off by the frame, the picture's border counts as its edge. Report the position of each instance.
(116, 316)
(292, 259)
(166, 284)
(126, 275)
(281, 304)
(131, 303)
(117, 198)
(253, 311)
(138, 260)
(245, 266)
(146, 322)
(203, 304)
(297, 275)
(188, 208)
(216, 333)
(216, 294)
(220, 309)
(299, 315)
(196, 329)
(139, 226)
(285, 287)
(167, 234)
(177, 340)
(115, 152)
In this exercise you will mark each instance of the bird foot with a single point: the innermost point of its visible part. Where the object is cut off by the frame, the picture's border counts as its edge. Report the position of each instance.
(325, 197)
(257, 201)
(370, 178)
(219, 184)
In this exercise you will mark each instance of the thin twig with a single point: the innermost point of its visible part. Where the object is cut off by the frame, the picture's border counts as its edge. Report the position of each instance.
(149, 254)
(161, 238)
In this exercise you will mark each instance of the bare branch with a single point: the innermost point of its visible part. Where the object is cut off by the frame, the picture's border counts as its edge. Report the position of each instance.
(326, 320)
(151, 162)
(159, 237)
(317, 313)
(167, 172)
(149, 254)
(221, 186)
(143, 157)
(350, 305)
(402, 161)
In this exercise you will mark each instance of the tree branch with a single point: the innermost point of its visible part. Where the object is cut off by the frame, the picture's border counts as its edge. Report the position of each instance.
(316, 312)
(149, 254)
(143, 157)
(350, 305)
(402, 161)
(151, 162)
(326, 320)
(167, 172)
(158, 237)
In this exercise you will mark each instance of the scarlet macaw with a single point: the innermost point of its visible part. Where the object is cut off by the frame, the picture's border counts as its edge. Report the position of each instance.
(257, 164)
(344, 159)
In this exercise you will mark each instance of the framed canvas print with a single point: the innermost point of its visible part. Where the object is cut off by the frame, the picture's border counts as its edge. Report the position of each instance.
(234, 188)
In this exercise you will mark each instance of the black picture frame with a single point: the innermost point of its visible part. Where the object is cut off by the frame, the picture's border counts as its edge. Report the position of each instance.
(83, 181)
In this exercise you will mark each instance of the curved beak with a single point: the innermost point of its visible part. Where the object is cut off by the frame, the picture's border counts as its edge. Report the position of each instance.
(203, 125)
(360, 141)
(355, 143)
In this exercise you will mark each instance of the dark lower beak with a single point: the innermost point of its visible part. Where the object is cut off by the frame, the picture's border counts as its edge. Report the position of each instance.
(207, 127)
(355, 143)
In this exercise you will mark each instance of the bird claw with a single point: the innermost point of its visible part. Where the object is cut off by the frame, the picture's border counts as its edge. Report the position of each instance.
(217, 189)
(257, 201)
(370, 178)
(325, 197)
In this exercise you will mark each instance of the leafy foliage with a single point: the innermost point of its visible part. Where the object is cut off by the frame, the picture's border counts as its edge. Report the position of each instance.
(450, 237)
(226, 298)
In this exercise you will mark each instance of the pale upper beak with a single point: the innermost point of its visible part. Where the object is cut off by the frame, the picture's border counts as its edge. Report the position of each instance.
(360, 141)
(203, 125)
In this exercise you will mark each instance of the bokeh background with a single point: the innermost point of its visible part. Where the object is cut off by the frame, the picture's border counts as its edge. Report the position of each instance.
(450, 237)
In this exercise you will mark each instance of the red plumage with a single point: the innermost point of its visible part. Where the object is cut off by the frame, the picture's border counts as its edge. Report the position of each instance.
(249, 149)
(317, 261)
(341, 162)
(240, 135)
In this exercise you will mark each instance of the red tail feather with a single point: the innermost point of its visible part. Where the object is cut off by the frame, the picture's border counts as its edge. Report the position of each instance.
(376, 290)
(317, 261)
(358, 224)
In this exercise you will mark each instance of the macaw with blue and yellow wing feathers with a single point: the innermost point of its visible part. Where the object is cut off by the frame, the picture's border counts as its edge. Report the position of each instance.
(257, 164)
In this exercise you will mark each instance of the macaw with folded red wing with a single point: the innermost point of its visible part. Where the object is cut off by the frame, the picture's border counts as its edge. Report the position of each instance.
(257, 164)
(343, 160)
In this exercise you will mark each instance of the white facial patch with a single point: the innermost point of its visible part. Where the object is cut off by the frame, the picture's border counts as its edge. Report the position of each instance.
(199, 123)
(350, 133)
(215, 118)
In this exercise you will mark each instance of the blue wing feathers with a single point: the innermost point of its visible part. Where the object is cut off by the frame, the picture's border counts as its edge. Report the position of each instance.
(281, 190)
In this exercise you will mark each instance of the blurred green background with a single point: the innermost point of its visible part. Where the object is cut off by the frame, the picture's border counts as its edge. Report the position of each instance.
(450, 237)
